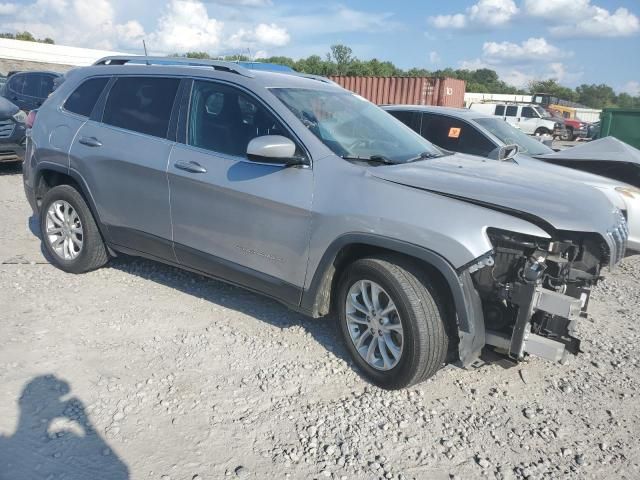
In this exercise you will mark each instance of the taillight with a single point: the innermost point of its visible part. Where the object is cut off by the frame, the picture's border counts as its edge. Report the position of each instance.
(30, 119)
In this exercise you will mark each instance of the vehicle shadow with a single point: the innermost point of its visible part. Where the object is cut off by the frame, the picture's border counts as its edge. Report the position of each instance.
(219, 293)
(55, 438)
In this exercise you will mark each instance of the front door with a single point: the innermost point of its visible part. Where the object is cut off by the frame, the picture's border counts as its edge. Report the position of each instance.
(242, 221)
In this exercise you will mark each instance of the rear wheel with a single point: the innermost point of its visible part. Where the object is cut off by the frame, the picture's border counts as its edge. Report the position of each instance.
(69, 233)
(392, 321)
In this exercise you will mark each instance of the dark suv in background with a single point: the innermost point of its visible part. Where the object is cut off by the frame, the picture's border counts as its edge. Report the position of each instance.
(28, 90)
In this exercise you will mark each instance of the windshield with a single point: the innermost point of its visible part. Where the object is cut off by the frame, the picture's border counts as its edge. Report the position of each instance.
(510, 135)
(353, 127)
(541, 111)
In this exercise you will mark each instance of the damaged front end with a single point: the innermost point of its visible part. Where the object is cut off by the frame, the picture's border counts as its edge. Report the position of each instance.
(534, 291)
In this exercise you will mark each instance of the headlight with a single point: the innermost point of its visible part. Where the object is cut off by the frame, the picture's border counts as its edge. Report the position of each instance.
(20, 117)
(629, 192)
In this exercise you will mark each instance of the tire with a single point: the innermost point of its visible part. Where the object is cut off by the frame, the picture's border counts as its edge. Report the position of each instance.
(568, 136)
(92, 253)
(542, 131)
(420, 312)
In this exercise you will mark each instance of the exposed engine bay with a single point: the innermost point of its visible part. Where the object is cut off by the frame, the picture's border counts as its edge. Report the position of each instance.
(533, 291)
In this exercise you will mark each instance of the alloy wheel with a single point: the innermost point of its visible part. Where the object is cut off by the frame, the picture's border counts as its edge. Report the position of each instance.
(64, 230)
(374, 325)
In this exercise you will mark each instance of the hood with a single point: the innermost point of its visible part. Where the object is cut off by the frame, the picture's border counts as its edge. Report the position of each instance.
(7, 109)
(608, 149)
(546, 199)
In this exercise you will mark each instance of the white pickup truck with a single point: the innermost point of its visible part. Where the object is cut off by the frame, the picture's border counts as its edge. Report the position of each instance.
(531, 119)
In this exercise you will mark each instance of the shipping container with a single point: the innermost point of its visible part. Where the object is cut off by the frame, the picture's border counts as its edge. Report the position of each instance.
(622, 123)
(444, 92)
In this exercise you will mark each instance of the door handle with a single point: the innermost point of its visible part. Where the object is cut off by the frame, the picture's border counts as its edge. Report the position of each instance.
(193, 167)
(90, 141)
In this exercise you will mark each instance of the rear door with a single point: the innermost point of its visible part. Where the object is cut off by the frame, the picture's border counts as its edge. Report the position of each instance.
(239, 220)
(512, 115)
(122, 154)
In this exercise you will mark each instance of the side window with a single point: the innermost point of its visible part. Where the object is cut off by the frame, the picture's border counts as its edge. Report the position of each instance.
(16, 83)
(141, 104)
(455, 135)
(410, 119)
(512, 111)
(32, 85)
(46, 86)
(84, 98)
(224, 119)
(527, 112)
(500, 110)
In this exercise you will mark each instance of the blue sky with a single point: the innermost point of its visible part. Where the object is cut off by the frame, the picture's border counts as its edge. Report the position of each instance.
(574, 41)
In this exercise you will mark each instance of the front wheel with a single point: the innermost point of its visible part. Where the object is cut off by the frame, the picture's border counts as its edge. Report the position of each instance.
(542, 131)
(392, 321)
(568, 135)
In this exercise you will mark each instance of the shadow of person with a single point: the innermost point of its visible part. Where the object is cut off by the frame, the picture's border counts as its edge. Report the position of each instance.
(55, 439)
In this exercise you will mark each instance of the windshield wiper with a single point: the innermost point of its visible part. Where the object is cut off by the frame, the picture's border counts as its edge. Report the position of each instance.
(372, 158)
(423, 156)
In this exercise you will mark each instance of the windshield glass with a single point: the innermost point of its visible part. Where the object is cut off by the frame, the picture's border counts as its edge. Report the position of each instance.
(510, 135)
(541, 111)
(354, 127)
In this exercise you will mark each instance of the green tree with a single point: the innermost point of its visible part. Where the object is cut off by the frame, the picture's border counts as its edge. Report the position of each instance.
(343, 56)
(26, 37)
(596, 96)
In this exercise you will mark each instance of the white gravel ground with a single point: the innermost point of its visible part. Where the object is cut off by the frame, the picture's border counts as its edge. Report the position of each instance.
(142, 371)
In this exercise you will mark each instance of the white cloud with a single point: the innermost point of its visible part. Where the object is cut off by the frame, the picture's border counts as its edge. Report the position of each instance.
(484, 14)
(244, 3)
(185, 25)
(263, 34)
(434, 57)
(338, 20)
(632, 87)
(8, 8)
(580, 18)
(532, 49)
(88, 23)
(457, 20)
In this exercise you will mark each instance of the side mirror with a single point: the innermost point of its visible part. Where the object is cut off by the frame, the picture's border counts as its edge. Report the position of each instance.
(274, 149)
(506, 152)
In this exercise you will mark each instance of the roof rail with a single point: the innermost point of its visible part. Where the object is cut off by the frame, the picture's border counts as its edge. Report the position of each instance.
(193, 62)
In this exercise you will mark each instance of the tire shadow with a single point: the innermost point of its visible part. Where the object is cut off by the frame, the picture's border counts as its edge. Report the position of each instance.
(55, 438)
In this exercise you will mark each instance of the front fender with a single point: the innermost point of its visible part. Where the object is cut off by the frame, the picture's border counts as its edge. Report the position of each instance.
(470, 320)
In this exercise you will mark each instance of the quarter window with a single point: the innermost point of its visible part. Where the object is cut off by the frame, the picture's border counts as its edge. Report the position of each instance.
(500, 110)
(84, 98)
(141, 104)
(224, 119)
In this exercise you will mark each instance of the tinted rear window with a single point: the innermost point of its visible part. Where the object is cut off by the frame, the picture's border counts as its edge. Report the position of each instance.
(141, 104)
(84, 98)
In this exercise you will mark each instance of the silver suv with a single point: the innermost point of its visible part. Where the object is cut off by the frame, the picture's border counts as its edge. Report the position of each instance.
(297, 189)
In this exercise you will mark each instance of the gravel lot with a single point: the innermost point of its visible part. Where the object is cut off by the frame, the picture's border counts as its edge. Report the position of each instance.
(142, 371)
